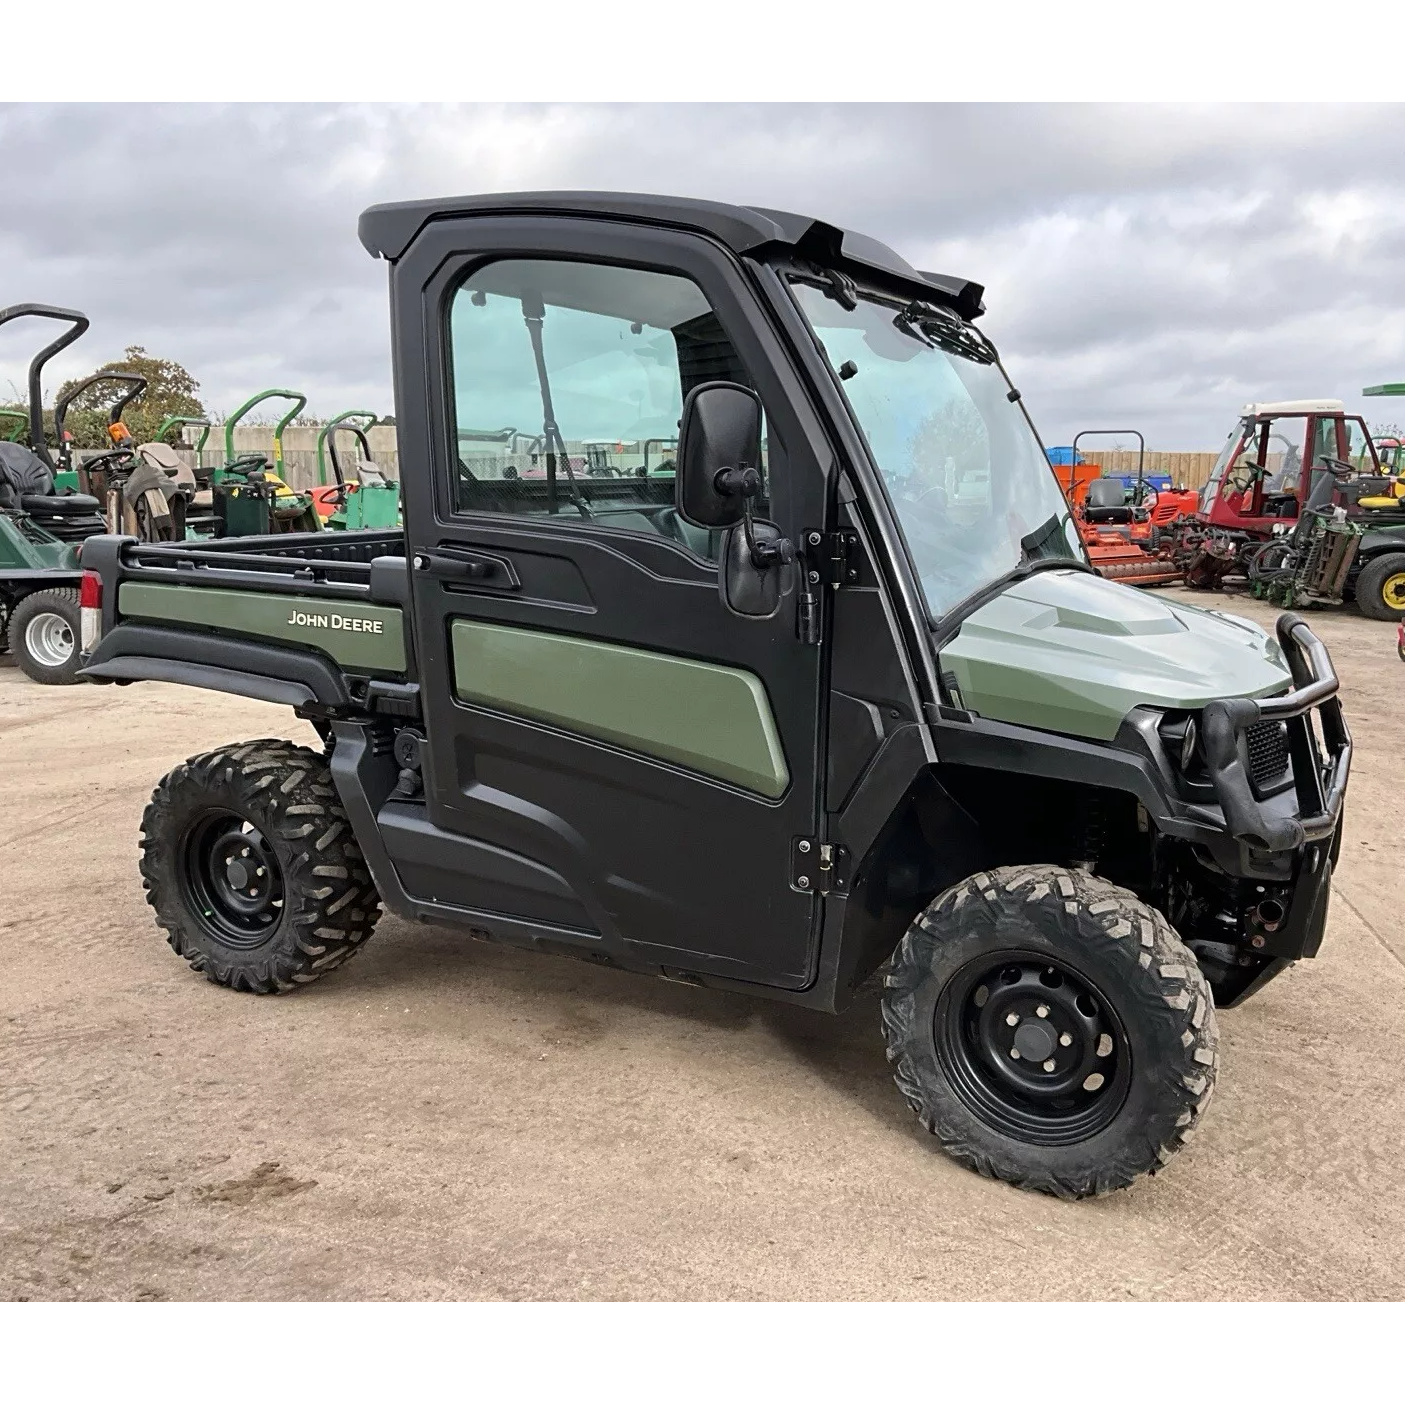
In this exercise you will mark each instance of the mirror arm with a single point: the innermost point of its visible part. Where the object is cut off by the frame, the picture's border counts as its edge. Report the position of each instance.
(745, 482)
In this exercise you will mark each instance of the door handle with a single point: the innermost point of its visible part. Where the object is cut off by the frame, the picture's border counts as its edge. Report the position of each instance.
(491, 570)
(475, 568)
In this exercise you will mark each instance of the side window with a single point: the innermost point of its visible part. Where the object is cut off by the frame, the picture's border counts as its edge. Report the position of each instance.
(568, 386)
(1324, 441)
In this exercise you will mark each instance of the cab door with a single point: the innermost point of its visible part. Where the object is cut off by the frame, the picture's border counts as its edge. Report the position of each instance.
(614, 759)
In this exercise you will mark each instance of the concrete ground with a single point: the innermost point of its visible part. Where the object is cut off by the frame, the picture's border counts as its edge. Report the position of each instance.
(446, 1119)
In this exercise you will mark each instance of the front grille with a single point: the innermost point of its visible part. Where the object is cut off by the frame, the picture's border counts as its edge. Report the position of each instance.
(1268, 751)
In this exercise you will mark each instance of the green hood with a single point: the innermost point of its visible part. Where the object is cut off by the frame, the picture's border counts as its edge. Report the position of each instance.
(1066, 651)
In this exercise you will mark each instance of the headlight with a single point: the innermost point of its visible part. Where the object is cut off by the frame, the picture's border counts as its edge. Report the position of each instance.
(1188, 742)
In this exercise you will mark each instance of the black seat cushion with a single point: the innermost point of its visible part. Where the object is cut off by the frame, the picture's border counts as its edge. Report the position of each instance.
(59, 504)
(22, 472)
(1106, 492)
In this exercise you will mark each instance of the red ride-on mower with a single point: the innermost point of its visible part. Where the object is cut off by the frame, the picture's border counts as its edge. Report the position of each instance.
(1262, 478)
(1121, 529)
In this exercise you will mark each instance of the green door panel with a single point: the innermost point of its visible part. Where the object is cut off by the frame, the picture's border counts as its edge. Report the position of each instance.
(1071, 652)
(704, 716)
(356, 635)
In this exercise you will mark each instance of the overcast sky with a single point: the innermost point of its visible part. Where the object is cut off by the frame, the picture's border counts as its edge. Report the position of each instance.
(1149, 267)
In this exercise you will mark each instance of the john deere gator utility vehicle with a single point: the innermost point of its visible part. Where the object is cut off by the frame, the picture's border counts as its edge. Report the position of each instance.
(838, 695)
(41, 530)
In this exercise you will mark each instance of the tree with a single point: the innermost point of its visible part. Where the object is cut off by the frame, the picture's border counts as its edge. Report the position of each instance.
(170, 390)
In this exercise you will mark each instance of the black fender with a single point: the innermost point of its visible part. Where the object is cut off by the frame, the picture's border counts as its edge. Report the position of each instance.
(133, 652)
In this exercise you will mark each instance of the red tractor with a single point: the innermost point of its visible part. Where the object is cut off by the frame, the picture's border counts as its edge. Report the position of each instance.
(1122, 525)
(1263, 478)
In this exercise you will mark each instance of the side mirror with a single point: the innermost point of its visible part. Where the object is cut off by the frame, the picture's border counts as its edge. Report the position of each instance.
(720, 432)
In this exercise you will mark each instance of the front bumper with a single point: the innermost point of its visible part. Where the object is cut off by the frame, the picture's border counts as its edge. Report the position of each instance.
(1319, 780)
(1311, 838)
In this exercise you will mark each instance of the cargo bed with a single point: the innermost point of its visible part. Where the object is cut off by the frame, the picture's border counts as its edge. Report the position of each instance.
(314, 619)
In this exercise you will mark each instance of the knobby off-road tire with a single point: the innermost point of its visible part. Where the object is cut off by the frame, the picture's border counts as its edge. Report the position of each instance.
(1125, 1007)
(1380, 588)
(251, 865)
(43, 634)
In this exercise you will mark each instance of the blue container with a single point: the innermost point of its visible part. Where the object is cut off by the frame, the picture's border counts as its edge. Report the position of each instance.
(1061, 455)
(1159, 481)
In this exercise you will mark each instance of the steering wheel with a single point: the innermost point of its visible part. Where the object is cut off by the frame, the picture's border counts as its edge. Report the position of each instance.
(1147, 504)
(247, 464)
(102, 460)
(1244, 474)
(1339, 468)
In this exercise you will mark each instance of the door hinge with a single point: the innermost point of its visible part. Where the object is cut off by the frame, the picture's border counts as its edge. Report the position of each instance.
(831, 558)
(826, 559)
(817, 867)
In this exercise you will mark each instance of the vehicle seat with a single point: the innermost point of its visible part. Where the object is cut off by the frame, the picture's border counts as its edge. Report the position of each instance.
(371, 475)
(1107, 501)
(165, 458)
(59, 504)
(22, 474)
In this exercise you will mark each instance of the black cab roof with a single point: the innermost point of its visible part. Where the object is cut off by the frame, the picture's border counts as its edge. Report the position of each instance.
(388, 230)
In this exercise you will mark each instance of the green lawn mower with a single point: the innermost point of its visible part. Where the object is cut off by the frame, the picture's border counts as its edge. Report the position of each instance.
(42, 530)
(373, 500)
(251, 497)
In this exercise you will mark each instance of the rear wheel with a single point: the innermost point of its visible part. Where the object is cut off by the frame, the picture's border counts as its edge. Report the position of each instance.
(251, 865)
(1380, 588)
(43, 635)
(1050, 1030)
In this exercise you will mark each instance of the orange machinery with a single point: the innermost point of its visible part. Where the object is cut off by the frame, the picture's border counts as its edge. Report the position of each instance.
(1123, 539)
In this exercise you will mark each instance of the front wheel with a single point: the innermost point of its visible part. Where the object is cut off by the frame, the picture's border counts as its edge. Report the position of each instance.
(1380, 588)
(43, 635)
(1050, 1030)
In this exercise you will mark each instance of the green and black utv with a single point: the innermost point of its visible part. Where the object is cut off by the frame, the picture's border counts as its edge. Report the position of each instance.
(827, 692)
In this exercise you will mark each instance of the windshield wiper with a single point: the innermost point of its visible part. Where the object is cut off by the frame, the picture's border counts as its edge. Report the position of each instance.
(936, 327)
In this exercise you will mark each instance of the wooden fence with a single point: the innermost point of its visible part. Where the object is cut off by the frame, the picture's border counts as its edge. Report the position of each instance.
(1186, 470)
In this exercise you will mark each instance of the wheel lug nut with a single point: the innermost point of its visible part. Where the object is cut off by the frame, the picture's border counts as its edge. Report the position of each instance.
(1012, 1019)
(1065, 1040)
(1048, 1065)
(1014, 1053)
(1042, 1011)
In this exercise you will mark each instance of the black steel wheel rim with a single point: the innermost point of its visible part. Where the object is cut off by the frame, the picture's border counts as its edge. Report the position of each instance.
(231, 878)
(1033, 1048)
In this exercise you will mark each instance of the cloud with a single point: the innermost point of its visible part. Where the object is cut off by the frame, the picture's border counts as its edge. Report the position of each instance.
(1149, 266)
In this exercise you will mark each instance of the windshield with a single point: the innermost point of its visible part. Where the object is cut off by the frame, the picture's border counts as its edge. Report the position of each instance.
(1212, 484)
(972, 489)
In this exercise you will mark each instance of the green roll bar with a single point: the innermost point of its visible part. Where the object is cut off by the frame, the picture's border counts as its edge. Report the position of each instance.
(331, 427)
(299, 405)
(1395, 388)
(170, 423)
(21, 418)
